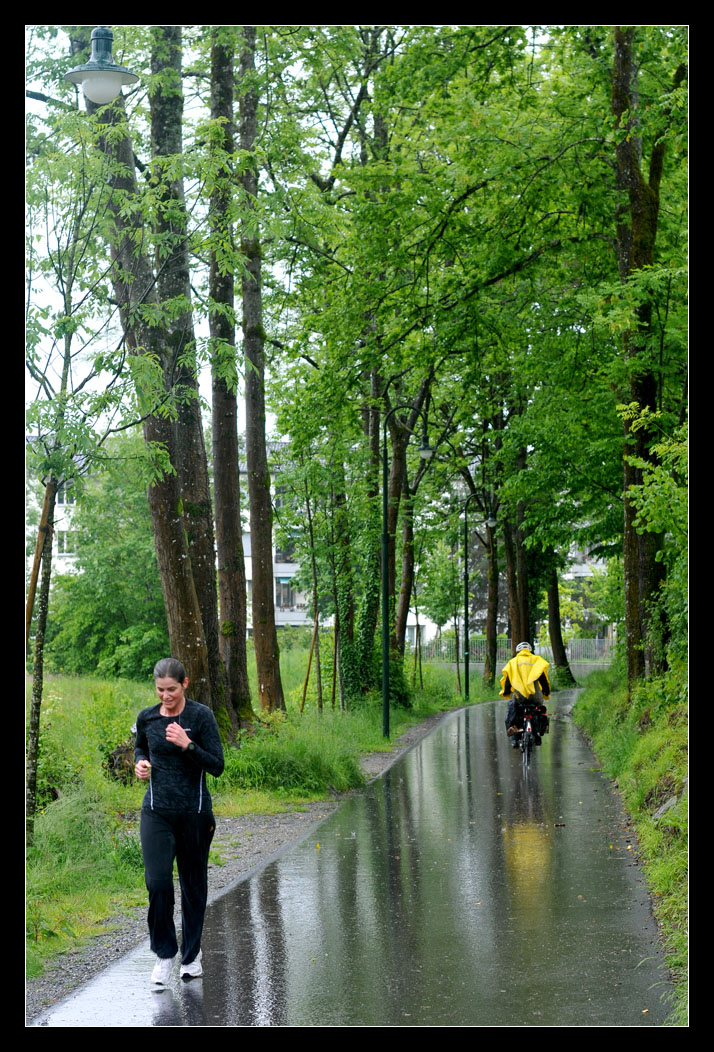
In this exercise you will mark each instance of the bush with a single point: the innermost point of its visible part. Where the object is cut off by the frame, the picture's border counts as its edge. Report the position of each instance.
(108, 720)
(56, 771)
(294, 760)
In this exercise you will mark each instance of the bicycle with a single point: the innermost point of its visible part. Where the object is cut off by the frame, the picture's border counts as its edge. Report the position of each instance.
(535, 724)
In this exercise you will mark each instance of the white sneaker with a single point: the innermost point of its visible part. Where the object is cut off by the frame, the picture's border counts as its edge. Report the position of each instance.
(162, 971)
(194, 969)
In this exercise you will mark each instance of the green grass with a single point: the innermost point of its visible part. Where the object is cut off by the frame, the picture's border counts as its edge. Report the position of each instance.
(85, 864)
(302, 755)
(642, 743)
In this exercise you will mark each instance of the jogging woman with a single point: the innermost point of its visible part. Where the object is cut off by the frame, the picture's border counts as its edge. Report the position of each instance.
(177, 742)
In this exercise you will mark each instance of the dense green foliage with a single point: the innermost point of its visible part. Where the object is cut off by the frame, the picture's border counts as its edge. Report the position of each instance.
(437, 208)
(661, 501)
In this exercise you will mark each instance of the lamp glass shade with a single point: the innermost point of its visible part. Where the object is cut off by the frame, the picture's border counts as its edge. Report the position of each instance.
(103, 86)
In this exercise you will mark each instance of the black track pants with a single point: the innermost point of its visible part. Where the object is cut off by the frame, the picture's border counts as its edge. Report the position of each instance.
(186, 837)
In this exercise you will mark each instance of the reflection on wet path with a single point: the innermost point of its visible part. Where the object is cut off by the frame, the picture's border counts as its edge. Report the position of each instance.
(456, 890)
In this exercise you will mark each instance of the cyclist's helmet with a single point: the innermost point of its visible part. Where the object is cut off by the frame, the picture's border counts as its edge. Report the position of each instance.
(523, 646)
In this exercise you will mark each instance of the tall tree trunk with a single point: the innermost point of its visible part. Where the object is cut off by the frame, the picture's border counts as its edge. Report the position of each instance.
(485, 502)
(406, 583)
(522, 568)
(270, 687)
(344, 587)
(48, 503)
(489, 668)
(174, 289)
(560, 658)
(400, 487)
(315, 598)
(43, 600)
(514, 610)
(522, 576)
(134, 290)
(368, 612)
(226, 453)
(397, 475)
(636, 227)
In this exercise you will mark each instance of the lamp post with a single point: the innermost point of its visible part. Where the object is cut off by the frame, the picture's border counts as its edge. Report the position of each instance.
(101, 79)
(425, 452)
(466, 597)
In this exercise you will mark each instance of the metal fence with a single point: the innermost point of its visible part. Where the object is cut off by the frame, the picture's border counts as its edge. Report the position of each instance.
(592, 651)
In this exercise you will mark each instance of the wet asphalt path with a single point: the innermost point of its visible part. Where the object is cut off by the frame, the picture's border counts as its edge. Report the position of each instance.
(456, 890)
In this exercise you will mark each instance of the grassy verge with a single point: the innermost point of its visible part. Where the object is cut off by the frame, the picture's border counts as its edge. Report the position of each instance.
(85, 864)
(643, 745)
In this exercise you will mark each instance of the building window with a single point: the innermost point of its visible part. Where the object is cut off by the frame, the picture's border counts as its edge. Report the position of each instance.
(286, 553)
(65, 493)
(284, 593)
(66, 542)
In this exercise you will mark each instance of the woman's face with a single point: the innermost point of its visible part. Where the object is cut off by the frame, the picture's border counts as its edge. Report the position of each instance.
(171, 693)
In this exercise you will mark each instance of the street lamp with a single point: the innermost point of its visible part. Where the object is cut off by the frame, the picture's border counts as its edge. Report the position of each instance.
(425, 452)
(101, 79)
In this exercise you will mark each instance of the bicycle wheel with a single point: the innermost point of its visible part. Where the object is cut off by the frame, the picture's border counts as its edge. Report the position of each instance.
(526, 746)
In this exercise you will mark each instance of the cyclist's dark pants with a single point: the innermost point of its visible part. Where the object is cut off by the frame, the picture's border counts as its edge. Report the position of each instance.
(514, 715)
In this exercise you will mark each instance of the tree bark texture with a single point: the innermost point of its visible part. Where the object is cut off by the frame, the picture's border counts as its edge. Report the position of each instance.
(226, 453)
(489, 668)
(315, 599)
(400, 488)
(174, 290)
(522, 579)
(406, 584)
(344, 585)
(522, 567)
(397, 474)
(368, 612)
(270, 688)
(43, 601)
(560, 658)
(636, 227)
(134, 289)
(490, 544)
(514, 611)
(47, 503)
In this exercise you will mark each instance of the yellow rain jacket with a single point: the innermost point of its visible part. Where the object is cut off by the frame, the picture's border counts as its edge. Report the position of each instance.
(523, 673)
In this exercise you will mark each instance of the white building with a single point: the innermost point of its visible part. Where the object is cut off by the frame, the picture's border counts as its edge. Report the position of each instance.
(64, 550)
(290, 604)
(582, 564)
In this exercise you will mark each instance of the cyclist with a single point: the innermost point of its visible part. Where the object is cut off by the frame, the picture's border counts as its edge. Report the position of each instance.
(525, 675)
